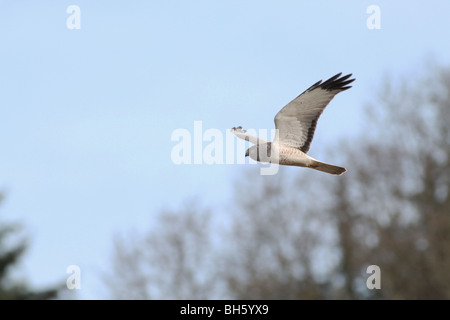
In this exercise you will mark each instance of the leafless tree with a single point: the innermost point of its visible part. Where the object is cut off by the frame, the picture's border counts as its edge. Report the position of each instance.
(399, 189)
(303, 235)
(174, 260)
(273, 236)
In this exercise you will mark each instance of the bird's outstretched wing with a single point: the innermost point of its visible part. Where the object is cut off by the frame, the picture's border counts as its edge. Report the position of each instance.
(238, 132)
(296, 122)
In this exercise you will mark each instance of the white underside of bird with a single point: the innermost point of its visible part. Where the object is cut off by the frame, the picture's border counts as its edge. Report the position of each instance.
(294, 157)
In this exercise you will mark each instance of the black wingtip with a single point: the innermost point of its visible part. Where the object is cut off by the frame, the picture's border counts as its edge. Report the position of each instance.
(315, 85)
(336, 82)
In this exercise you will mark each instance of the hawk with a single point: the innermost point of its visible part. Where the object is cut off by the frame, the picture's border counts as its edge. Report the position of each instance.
(295, 124)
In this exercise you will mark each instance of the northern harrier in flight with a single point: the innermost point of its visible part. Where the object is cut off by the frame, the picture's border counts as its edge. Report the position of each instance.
(295, 125)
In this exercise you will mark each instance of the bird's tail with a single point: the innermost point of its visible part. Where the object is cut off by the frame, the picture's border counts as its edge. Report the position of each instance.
(328, 168)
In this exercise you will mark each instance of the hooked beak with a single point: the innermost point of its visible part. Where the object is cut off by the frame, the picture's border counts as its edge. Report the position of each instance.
(246, 153)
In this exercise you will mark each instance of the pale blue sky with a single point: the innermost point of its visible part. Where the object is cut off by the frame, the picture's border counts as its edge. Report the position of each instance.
(86, 115)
